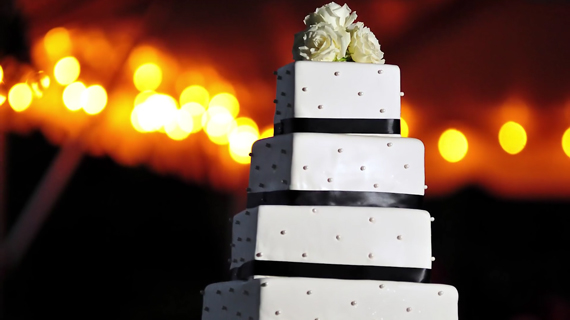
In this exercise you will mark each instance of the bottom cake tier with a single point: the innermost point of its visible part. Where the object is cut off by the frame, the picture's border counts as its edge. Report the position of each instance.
(328, 299)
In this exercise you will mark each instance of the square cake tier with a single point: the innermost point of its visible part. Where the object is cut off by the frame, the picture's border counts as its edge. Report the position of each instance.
(286, 240)
(336, 90)
(358, 166)
(328, 299)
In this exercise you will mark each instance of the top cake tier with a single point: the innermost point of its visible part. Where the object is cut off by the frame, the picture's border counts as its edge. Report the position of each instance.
(340, 97)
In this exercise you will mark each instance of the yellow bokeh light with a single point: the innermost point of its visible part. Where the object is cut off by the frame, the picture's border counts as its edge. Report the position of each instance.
(94, 99)
(225, 100)
(566, 142)
(195, 94)
(57, 42)
(241, 139)
(147, 77)
(20, 97)
(157, 112)
(39, 82)
(72, 95)
(267, 133)
(219, 125)
(3, 93)
(1, 74)
(512, 137)
(196, 110)
(142, 54)
(142, 96)
(66, 70)
(452, 145)
(404, 130)
(184, 120)
(175, 132)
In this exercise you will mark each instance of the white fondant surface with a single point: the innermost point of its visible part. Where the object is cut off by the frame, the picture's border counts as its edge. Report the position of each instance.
(320, 161)
(329, 299)
(342, 90)
(364, 236)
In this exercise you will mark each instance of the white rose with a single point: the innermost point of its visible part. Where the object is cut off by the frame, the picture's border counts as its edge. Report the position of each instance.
(333, 14)
(320, 42)
(364, 46)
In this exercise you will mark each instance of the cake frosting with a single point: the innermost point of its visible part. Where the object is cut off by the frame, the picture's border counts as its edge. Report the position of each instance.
(333, 227)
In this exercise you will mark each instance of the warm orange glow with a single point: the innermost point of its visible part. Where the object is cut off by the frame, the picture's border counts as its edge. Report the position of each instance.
(1, 74)
(94, 99)
(241, 139)
(72, 95)
(57, 42)
(219, 124)
(147, 77)
(3, 94)
(404, 130)
(196, 110)
(226, 100)
(452, 145)
(184, 120)
(39, 82)
(512, 137)
(142, 96)
(267, 133)
(566, 142)
(173, 129)
(195, 94)
(20, 97)
(141, 55)
(66, 70)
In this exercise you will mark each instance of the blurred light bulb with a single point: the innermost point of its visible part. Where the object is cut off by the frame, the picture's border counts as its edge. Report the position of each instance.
(57, 42)
(226, 100)
(267, 133)
(3, 93)
(1, 74)
(196, 94)
(453, 145)
(197, 111)
(38, 82)
(72, 96)
(404, 129)
(66, 70)
(147, 77)
(94, 99)
(20, 97)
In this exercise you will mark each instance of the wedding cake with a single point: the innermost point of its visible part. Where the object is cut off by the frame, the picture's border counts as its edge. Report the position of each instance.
(333, 228)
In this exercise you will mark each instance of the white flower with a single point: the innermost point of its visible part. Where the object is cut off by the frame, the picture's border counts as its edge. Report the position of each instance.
(335, 15)
(364, 46)
(320, 42)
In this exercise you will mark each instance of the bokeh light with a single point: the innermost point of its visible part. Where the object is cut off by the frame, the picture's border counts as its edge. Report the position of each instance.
(566, 142)
(219, 124)
(142, 96)
(196, 110)
(57, 42)
(196, 94)
(147, 77)
(66, 70)
(512, 137)
(157, 112)
(94, 99)
(1, 74)
(267, 132)
(39, 82)
(20, 97)
(404, 130)
(241, 139)
(226, 100)
(72, 95)
(141, 55)
(3, 93)
(452, 145)
(185, 120)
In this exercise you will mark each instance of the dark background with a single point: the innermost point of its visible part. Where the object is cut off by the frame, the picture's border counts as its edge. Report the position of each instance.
(124, 243)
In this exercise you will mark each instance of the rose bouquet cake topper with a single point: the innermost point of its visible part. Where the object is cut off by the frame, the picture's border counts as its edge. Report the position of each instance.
(332, 35)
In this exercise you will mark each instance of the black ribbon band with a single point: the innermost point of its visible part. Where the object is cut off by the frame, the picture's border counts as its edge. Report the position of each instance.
(330, 271)
(334, 198)
(363, 126)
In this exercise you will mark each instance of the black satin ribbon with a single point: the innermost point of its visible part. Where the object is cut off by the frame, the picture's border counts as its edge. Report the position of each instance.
(334, 198)
(320, 125)
(329, 271)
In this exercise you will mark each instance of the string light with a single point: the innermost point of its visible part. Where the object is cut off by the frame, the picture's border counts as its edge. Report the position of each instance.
(66, 70)
(197, 111)
(147, 77)
(57, 42)
(226, 100)
(196, 94)
(72, 95)
(566, 142)
(452, 145)
(512, 137)
(404, 130)
(20, 97)
(94, 99)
